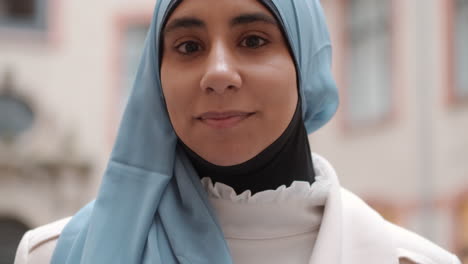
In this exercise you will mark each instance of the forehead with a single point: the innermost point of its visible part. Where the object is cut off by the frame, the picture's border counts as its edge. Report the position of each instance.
(218, 11)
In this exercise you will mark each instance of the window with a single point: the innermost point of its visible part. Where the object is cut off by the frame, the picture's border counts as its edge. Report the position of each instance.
(133, 43)
(461, 52)
(368, 64)
(23, 13)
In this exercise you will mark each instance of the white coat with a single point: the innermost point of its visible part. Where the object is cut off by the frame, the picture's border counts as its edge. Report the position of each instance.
(350, 233)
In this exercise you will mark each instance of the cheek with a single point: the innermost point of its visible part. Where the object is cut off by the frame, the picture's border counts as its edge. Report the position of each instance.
(276, 86)
(178, 94)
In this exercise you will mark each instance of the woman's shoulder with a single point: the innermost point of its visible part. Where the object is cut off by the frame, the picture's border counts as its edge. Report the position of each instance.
(37, 245)
(411, 248)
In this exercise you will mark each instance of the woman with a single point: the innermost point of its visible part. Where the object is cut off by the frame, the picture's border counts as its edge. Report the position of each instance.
(212, 162)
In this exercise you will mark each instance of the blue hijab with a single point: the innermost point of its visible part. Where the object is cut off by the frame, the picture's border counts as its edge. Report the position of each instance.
(151, 206)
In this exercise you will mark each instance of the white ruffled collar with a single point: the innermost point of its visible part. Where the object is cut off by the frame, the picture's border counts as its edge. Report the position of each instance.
(286, 211)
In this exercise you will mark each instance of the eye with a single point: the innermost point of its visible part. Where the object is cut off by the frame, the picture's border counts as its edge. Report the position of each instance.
(188, 47)
(253, 42)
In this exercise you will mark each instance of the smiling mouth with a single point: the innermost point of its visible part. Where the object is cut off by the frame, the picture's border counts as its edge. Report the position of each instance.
(223, 120)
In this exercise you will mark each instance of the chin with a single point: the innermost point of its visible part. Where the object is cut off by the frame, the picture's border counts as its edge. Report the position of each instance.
(226, 149)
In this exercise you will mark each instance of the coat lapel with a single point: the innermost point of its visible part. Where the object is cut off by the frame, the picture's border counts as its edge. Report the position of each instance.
(351, 232)
(366, 238)
(328, 245)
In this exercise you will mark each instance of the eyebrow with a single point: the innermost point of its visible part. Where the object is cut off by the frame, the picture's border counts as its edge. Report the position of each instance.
(184, 22)
(252, 18)
(243, 19)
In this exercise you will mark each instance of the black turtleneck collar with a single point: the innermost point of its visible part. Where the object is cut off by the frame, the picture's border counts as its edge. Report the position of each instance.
(286, 160)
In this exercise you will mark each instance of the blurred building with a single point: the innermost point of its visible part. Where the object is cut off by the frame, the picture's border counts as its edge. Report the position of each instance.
(399, 140)
(65, 71)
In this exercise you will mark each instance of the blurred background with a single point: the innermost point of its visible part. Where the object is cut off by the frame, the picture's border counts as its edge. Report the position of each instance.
(399, 139)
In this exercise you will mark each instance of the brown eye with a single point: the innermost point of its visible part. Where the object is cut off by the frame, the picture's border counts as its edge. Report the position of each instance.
(253, 42)
(188, 47)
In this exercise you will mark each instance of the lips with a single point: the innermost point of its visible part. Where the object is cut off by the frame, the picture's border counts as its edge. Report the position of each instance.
(221, 120)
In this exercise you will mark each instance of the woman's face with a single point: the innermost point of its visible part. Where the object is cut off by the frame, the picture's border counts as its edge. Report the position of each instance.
(228, 78)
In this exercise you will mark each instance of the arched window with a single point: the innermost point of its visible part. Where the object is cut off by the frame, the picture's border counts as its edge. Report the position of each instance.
(11, 232)
(368, 61)
(461, 52)
(16, 114)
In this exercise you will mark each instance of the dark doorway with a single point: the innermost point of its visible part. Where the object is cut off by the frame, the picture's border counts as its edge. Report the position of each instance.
(11, 231)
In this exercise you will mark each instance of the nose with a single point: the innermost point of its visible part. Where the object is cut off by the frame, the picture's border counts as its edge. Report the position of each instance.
(220, 72)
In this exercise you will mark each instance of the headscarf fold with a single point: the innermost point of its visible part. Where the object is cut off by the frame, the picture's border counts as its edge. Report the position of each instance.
(151, 206)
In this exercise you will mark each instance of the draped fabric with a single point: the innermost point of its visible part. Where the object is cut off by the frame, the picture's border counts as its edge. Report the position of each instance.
(151, 207)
